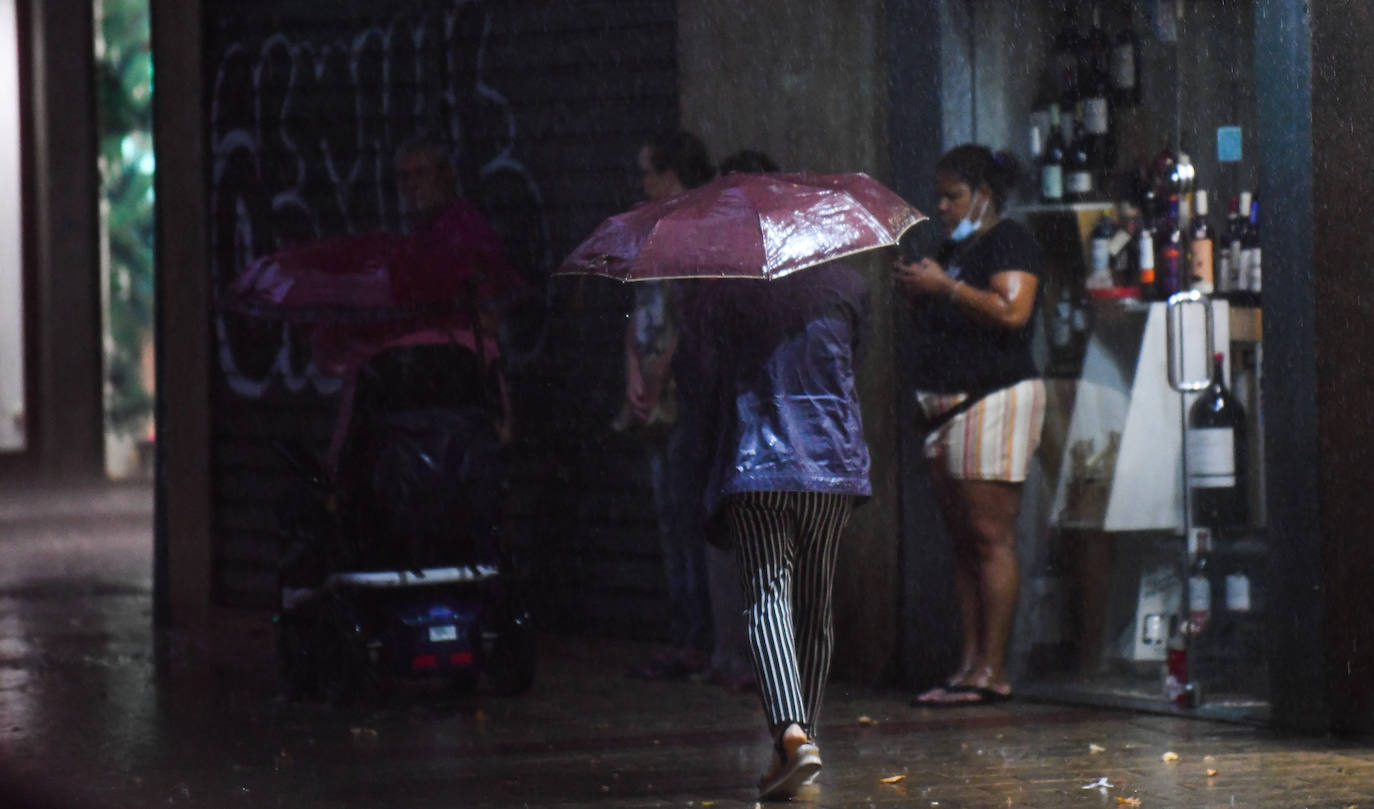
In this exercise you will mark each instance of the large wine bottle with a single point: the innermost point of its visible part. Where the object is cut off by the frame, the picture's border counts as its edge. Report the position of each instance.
(1216, 456)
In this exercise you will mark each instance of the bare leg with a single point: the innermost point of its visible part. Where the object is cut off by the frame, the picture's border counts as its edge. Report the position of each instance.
(990, 552)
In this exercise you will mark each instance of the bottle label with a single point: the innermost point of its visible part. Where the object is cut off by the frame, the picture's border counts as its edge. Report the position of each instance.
(1052, 182)
(1123, 67)
(1235, 276)
(1202, 264)
(1102, 255)
(1119, 241)
(1079, 182)
(1238, 592)
(1211, 457)
(1199, 594)
(1095, 120)
(1251, 269)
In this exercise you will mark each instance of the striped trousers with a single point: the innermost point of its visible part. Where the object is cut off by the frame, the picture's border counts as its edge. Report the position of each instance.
(786, 545)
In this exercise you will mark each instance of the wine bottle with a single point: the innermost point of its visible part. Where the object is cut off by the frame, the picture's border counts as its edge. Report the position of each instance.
(1101, 243)
(1225, 259)
(1078, 170)
(1124, 261)
(1185, 177)
(1163, 171)
(1145, 245)
(1250, 251)
(1052, 161)
(1216, 455)
(1126, 62)
(1068, 43)
(1095, 84)
(1200, 586)
(1169, 252)
(1235, 237)
(1201, 242)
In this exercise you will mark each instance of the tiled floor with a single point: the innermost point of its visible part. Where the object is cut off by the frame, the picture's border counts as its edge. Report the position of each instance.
(98, 710)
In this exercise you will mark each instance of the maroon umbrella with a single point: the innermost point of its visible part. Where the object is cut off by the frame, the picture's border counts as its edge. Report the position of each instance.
(455, 264)
(746, 226)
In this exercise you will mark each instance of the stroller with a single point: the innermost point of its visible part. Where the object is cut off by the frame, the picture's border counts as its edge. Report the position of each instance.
(391, 563)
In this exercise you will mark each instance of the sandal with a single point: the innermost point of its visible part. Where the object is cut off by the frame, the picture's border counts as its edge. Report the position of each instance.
(790, 771)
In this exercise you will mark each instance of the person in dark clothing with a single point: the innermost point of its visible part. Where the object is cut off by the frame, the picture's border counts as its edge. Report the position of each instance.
(976, 381)
(776, 365)
(653, 410)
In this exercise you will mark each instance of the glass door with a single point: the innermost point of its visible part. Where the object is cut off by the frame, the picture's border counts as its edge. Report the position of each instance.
(13, 392)
(1136, 589)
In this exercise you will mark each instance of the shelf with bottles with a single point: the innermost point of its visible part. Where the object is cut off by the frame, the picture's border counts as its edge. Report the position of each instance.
(1106, 99)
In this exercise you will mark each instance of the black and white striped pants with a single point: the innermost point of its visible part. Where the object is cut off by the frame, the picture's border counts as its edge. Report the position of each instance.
(786, 545)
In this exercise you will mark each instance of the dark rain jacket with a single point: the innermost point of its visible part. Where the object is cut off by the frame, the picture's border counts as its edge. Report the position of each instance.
(774, 379)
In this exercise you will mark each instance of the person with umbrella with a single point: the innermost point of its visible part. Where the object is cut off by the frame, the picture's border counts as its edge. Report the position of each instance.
(771, 341)
(652, 409)
(978, 388)
(776, 362)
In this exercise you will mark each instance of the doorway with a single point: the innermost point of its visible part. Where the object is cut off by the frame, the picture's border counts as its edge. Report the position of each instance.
(124, 84)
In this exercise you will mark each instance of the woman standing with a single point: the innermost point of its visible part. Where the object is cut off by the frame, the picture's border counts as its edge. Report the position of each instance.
(983, 402)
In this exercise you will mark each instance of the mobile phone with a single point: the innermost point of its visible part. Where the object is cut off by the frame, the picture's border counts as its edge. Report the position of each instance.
(921, 240)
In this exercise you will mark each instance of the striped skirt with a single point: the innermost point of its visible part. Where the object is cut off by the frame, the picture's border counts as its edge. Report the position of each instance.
(992, 440)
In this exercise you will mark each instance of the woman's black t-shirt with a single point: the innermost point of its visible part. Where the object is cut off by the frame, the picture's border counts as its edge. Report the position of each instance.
(954, 353)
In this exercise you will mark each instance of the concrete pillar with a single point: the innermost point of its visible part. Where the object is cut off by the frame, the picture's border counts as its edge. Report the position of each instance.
(67, 429)
(806, 84)
(182, 550)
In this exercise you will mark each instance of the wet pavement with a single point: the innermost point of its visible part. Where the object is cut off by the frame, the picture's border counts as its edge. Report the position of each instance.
(99, 710)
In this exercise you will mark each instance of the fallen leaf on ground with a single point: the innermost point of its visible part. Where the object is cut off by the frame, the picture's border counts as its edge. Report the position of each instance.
(1170, 756)
(1096, 748)
(892, 779)
(867, 721)
(1128, 801)
(1211, 773)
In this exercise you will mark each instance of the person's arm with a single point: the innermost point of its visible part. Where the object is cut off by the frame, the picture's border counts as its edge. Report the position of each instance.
(653, 380)
(1006, 304)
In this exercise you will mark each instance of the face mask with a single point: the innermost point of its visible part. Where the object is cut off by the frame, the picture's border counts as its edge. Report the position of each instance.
(969, 225)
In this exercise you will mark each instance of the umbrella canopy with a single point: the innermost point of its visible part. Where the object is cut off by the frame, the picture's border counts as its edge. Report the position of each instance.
(746, 226)
(457, 264)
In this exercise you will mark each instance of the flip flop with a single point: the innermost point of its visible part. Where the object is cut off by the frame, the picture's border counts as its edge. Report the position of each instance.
(981, 696)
